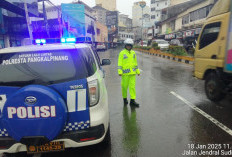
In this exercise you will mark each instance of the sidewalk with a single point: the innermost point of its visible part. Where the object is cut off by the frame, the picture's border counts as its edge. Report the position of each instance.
(158, 53)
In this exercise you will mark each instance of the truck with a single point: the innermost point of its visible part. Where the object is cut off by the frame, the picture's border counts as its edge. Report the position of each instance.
(213, 53)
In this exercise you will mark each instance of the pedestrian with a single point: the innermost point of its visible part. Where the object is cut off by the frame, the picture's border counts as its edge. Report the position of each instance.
(127, 69)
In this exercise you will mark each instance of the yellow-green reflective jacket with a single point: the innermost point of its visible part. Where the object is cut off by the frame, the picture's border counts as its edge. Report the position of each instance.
(127, 63)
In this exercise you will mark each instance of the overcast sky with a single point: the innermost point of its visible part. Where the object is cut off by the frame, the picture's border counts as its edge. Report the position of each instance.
(123, 6)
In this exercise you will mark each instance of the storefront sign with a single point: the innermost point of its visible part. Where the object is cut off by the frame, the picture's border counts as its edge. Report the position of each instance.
(170, 36)
(197, 31)
(73, 16)
(112, 24)
(189, 33)
(179, 35)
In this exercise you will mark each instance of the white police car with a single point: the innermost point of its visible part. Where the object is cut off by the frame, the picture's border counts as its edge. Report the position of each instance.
(52, 97)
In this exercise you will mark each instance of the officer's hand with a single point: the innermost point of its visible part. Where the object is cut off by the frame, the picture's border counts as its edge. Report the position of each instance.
(138, 74)
(120, 74)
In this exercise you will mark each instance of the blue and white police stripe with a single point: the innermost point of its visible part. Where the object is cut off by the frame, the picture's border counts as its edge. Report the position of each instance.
(77, 126)
(77, 106)
(3, 133)
(76, 100)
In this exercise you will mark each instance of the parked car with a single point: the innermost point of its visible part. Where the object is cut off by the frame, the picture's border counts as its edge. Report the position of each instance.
(101, 46)
(163, 44)
(143, 43)
(176, 42)
(52, 97)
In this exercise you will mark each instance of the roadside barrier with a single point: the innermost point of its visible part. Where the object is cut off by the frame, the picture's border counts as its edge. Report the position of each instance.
(158, 53)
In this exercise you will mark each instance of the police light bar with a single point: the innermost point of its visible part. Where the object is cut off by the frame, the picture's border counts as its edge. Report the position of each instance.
(40, 41)
(62, 40)
(68, 40)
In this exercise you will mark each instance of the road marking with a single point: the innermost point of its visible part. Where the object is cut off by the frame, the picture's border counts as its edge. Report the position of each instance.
(213, 120)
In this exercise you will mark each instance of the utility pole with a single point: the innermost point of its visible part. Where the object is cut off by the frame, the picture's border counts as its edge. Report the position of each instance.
(28, 22)
(142, 5)
(60, 27)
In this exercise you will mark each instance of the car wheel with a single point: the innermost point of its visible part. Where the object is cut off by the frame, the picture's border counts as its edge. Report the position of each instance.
(214, 87)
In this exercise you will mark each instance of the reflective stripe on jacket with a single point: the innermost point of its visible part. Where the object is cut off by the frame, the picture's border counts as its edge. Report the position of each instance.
(127, 63)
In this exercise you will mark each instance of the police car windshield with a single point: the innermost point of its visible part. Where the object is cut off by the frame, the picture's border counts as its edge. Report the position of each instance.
(46, 67)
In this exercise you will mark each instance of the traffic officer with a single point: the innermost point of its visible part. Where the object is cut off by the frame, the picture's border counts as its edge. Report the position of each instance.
(128, 68)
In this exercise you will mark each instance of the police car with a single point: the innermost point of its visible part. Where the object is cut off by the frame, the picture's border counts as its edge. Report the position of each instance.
(52, 97)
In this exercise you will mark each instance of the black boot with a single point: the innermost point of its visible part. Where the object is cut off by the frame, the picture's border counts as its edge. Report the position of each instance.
(133, 103)
(125, 101)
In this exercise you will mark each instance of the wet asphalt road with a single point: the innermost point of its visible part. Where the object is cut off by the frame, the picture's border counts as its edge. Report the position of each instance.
(164, 125)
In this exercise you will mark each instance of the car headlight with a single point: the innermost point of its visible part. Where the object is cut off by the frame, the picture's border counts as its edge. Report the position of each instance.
(93, 92)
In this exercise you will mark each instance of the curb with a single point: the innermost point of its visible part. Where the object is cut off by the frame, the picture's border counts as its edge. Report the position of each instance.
(180, 59)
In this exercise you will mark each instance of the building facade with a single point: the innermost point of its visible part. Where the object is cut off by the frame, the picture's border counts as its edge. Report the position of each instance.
(107, 4)
(112, 21)
(102, 32)
(125, 21)
(176, 2)
(141, 20)
(13, 23)
(187, 23)
(125, 28)
(100, 14)
(124, 35)
(156, 9)
(60, 22)
(137, 13)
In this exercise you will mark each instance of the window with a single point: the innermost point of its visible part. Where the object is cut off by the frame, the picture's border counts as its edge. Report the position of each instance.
(199, 14)
(157, 4)
(165, 3)
(153, 17)
(98, 31)
(152, 1)
(202, 13)
(48, 67)
(185, 19)
(97, 58)
(209, 34)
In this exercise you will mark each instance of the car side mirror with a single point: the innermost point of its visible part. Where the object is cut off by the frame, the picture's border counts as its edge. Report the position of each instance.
(106, 62)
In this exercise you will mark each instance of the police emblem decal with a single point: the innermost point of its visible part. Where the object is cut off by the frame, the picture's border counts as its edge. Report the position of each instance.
(30, 100)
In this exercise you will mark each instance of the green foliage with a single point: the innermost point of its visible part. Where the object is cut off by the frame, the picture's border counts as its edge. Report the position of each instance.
(157, 48)
(154, 45)
(143, 47)
(177, 50)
